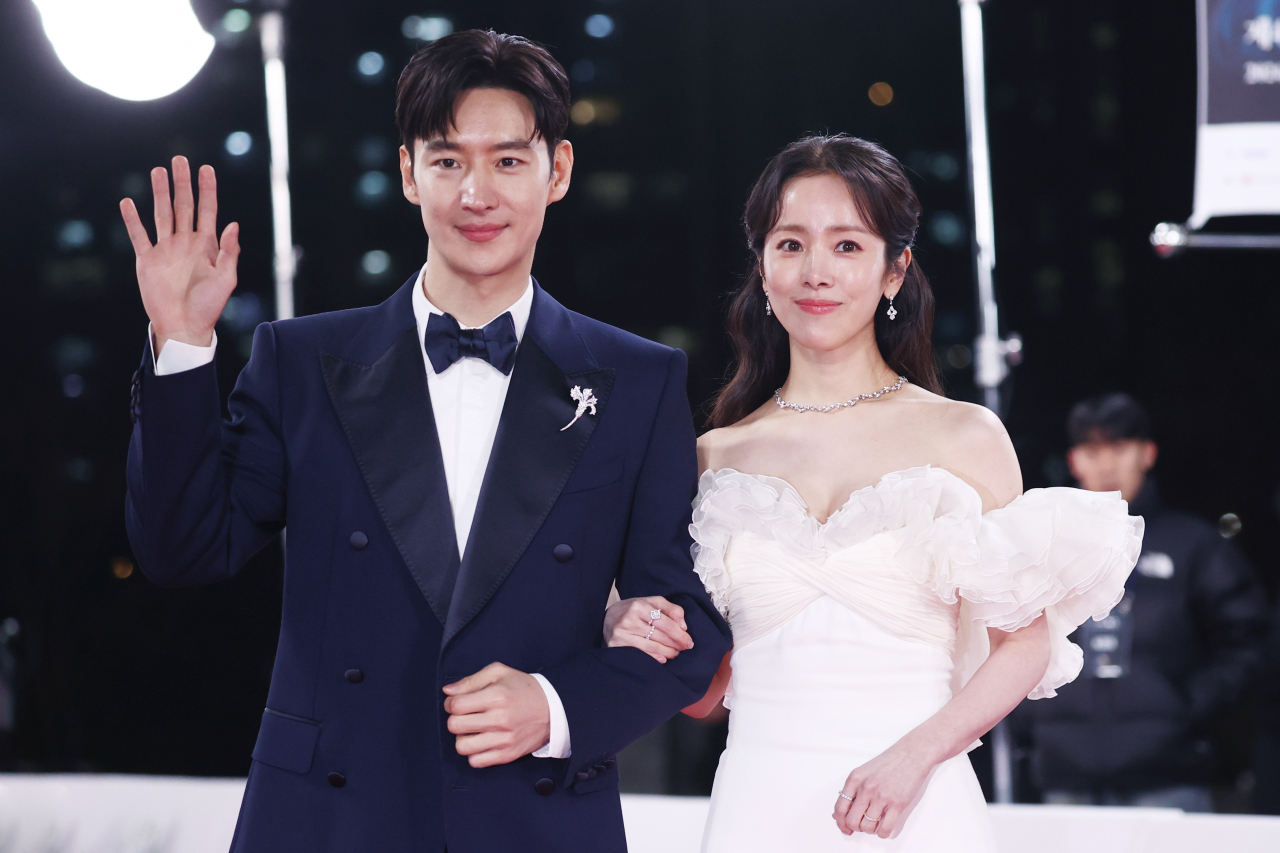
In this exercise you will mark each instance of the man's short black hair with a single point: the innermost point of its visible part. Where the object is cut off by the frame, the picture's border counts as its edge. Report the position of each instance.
(1110, 417)
(479, 59)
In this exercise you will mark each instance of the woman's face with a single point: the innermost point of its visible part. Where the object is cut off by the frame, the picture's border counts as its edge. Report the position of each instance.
(824, 270)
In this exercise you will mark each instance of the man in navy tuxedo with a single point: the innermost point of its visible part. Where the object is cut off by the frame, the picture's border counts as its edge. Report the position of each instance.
(464, 470)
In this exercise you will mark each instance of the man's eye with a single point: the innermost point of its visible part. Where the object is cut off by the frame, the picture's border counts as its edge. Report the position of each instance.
(508, 162)
(446, 163)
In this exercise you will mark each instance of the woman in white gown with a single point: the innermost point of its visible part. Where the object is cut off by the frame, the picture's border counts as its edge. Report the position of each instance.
(892, 593)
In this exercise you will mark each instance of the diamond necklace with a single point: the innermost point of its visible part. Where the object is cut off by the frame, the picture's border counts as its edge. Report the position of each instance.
(796, 407)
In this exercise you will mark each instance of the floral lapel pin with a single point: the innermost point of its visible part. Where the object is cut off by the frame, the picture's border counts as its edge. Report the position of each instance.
(585, 400)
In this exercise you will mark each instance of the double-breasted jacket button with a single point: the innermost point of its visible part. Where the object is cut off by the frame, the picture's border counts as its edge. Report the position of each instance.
(545, 787)
(600, 768)
(359, 540)
(563, 553)
(355, 676)
(337, 780)
(609, 764)
(581, 776)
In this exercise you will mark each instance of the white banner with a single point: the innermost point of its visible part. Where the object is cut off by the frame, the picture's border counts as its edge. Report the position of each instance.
(1238, 116)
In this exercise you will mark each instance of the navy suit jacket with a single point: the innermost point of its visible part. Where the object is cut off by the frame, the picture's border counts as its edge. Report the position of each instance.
(331, 435)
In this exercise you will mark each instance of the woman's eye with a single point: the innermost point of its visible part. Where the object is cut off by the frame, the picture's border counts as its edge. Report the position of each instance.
(847, 246)
(789, 246)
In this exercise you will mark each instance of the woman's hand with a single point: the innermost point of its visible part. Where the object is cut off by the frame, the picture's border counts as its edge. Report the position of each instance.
(653, 625)
(882, 789)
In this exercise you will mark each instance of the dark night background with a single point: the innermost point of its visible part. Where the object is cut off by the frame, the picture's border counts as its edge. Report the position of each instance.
(1092, 120)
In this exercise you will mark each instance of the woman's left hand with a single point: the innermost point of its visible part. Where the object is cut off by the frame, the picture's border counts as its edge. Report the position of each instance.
(881, 790)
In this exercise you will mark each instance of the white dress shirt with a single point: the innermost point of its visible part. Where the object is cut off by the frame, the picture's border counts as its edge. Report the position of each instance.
(466, 400)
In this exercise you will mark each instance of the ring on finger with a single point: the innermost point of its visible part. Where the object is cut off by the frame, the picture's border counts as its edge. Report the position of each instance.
(649, 635)
(844, 796)
(654, 615)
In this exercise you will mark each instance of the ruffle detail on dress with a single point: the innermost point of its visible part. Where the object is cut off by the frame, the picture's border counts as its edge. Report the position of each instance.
(1063, 552)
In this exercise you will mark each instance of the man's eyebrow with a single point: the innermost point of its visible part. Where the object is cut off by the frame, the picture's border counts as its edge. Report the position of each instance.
(514, 145)
(439, 144)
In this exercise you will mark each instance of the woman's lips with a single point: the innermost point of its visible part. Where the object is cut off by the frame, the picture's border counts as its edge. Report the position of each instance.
(481, 233)
(817, 306)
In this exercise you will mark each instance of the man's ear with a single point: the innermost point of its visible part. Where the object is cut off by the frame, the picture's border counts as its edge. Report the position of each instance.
(1071, 463)
(898, 273)
(561, 171)
(1149, 453)
(407, 184)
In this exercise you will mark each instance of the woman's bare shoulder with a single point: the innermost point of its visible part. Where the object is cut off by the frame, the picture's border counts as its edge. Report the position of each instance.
(974, 445)
(718, 448)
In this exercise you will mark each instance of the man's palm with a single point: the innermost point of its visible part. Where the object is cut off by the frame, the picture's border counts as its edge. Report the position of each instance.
(186, 278)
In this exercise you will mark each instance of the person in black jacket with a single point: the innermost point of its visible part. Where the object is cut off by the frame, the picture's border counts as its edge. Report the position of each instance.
(1183, 643)
(1266, 740)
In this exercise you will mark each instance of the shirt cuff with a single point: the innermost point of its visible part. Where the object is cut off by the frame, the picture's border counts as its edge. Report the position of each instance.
(177, 356)
(558, 746)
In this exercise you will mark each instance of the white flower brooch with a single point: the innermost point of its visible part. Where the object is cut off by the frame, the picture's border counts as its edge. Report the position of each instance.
(585, 400)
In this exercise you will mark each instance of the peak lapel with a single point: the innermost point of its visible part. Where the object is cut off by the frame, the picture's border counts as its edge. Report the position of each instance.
(531, 458)
(385, 411)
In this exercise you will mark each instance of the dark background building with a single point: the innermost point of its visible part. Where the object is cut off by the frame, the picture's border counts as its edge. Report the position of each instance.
(679, 105)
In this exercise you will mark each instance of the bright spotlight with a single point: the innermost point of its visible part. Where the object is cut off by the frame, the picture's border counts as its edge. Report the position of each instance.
(426, 29)
(239, 143)
(137, 50)
(599, 26)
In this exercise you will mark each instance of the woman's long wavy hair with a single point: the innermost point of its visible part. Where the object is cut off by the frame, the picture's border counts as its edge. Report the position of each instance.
(890, 208)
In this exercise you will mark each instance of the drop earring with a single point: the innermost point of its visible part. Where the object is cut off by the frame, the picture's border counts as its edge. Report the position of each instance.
(892, 312)
(768, 309)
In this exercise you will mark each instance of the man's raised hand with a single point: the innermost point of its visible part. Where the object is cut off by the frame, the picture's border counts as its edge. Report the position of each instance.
(186, 278)
(499, 714)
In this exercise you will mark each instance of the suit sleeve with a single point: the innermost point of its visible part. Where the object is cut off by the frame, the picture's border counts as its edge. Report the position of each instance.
(1232, 615)
(204, 493)
(612, 696)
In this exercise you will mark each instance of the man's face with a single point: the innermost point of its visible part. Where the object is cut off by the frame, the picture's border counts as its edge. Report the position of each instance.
(1110, 466)
(484, 187)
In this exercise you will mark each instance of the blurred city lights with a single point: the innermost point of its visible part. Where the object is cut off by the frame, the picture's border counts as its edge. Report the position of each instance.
(426, 29)
(239, 143)
(373, 187)
(595, 111)
(243, 312)
(122, 567)
(370, 64)
(236, 21)
(73, 385)
(946, 228)
(375, 264)
(583, 71)
(1229, 525)
(599, 26)
(137, 50)
(74, 234)
(79, 469)
(880, 94)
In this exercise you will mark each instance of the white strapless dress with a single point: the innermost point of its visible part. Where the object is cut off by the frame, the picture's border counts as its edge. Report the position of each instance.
(849, 634)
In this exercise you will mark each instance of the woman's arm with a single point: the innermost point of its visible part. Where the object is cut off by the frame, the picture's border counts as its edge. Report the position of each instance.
(715, 693)
(884, 786)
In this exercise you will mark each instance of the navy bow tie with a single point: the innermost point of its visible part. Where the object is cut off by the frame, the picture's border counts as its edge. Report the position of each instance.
(446, 342)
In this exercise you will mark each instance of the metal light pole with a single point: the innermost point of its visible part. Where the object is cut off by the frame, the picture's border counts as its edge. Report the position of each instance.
(992, 354)
(286, 257)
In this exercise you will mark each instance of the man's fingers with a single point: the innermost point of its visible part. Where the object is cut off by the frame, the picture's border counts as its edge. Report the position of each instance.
(470, 703)
(207, 222)
(474, 744)
(475, 681)
(470, 724)
(492, 758)
(160, 199)
(228, 246)
(184, 204)
(133, 224)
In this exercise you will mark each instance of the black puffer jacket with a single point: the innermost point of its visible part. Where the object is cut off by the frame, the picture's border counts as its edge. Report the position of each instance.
(1184, 643)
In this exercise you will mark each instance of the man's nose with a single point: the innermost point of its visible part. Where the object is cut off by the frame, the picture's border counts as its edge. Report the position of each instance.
(478, 191)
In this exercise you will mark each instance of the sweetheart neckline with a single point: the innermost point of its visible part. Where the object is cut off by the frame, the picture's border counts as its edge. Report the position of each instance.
(804, 505)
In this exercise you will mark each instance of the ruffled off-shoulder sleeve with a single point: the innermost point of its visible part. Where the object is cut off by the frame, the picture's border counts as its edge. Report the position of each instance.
(1063, 552)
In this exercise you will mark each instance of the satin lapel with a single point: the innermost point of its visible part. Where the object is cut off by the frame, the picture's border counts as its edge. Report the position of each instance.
(385, 410)
(530, 463)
